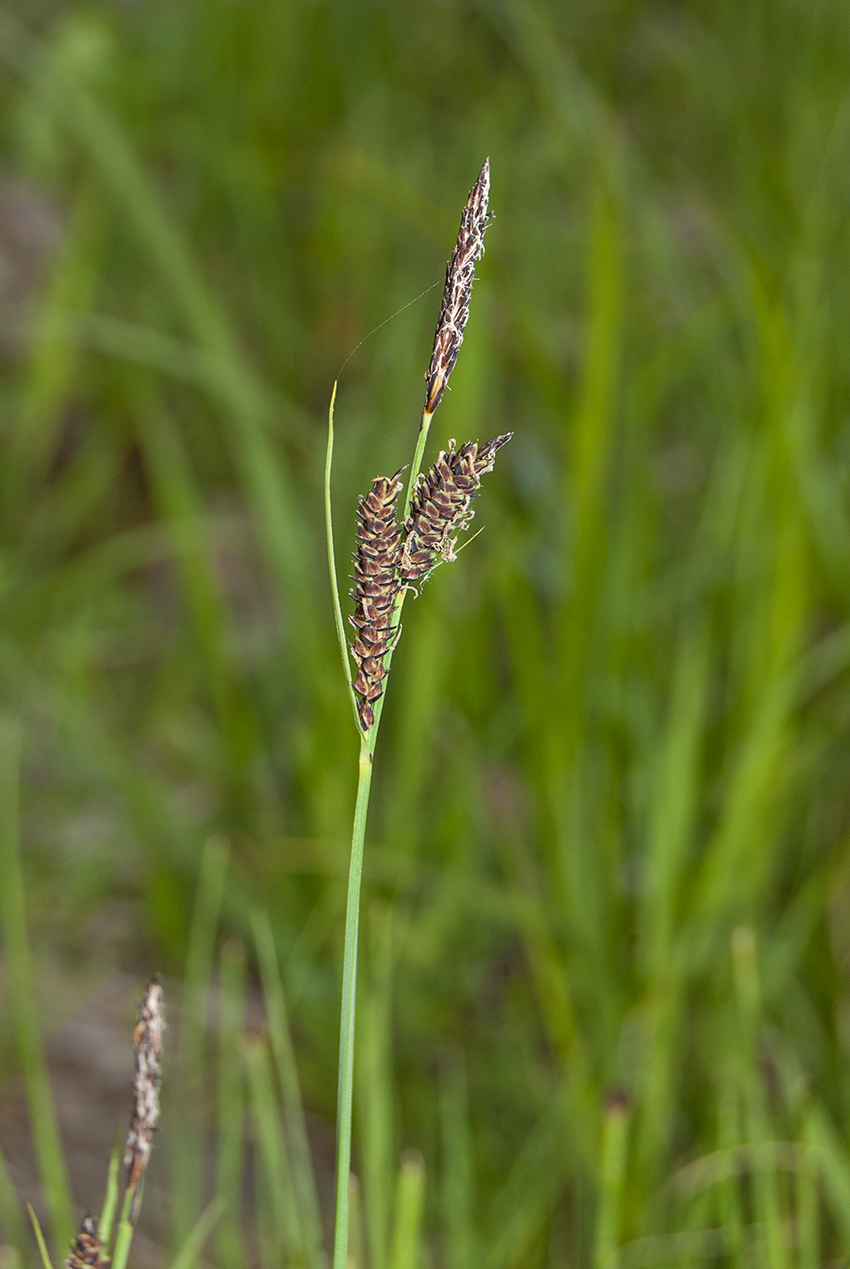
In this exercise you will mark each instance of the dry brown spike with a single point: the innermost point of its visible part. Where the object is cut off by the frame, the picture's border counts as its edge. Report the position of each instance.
(460, 274)
(147, 1043)
(376, 586)
(441, 506)
(87, 1251)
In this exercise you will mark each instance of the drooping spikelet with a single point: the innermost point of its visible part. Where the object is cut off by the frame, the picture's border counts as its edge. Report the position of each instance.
(87, 1251)
(460, 274)
(441, 506)
(376, 585)
(147, 1043)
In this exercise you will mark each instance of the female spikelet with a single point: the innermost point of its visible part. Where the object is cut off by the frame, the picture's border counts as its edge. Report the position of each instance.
(441, 507)
(376, 585)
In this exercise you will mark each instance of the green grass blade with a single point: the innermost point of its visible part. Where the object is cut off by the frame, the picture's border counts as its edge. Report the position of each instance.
(407, 1218)
(179, 503)
(247, 409)
(612, 1176)
(807, 1202)
(287, 1073)
(374, 1078)
(11, 1214)
(345, 1090)
(523, 1202)
(828, 1150)
(126, 1228)
(230, 1148)
(457, 1187)
(189, 1254)
(200, 959)
(774, 1251)
(729, 1185)
(357, 1258)
(329, 535)
(110, 1201)
(45, 1129)
(274, 1151)
(39, 1238)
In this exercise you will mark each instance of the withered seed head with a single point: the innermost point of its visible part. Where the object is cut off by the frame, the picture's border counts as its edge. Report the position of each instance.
(376, 585)
(460, 274)
(87, 1250)
(441, 506)
(147, 1042)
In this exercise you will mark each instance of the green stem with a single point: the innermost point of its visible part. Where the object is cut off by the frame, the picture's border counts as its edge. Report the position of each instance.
(355, 873)
(21, 986)
(349, 985)
(418, 455)
(124, 1233)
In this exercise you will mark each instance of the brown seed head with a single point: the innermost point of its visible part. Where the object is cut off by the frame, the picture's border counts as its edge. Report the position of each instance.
(147, 1042)
(87, 1250)
(376, 585)
(460, 274)
(441, 507)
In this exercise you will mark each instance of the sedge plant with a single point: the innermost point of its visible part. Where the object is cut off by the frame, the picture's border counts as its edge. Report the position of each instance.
(90, 1249)
(390, 558)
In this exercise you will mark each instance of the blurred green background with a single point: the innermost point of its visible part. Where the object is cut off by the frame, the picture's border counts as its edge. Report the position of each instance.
(606, 925)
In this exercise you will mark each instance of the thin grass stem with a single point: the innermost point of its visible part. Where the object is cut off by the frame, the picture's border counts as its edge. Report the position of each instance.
(11, 1216)
(409, 1205)
(110, 1201)
(45, 1129)
(349, 983)
(283, 1052)
(189, 1253)
(329, 532)
(123, 1241)
(39, 1238)
(274, 1151)
(200, 958)
(230, 1251)
(418, 455)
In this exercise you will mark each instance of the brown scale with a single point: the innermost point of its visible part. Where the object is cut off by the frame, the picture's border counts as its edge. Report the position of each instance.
(87, 1250)
(441, 508)
(376, 586)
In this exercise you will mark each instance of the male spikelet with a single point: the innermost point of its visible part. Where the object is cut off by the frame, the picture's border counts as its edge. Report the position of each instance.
(376, 585)
(441, 507)
(87, 1251)
(460, 274)
(147, 1043)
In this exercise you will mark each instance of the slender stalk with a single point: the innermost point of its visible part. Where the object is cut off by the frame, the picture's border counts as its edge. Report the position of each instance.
(39, 1238)
(110, 1202)
(21, 979)
(349, 984)
(125, 1230)
(418, 455)
(329, 534)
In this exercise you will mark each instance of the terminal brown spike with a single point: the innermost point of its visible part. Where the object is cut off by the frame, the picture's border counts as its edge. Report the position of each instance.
(441, 507)
(147, 1043)
(376, 586)
(460, 274)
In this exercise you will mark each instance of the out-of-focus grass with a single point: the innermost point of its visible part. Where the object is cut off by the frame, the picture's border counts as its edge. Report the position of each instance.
(605, 972)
